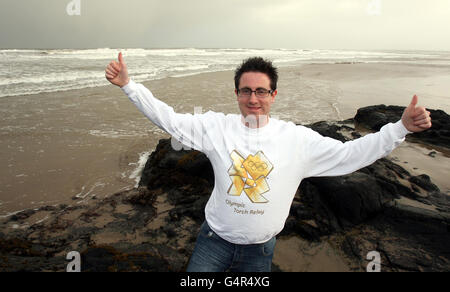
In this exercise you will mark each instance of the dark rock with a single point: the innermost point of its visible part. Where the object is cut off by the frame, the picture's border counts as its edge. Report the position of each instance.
(19, 247)
(356, 135)
(186, 176)
(374, 117)
(98, 259)
(166, 166)
(109, 259)
(349, 197)
(144, 197)
(170, 232)
(329, 130)
(424, 182)
(49, 208)
(22, 215)
(302, 228)
(13, 263)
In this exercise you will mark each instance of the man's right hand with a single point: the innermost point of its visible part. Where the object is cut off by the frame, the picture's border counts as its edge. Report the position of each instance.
(117, 72)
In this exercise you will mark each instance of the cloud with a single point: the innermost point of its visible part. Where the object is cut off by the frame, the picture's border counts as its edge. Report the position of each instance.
(401, 24)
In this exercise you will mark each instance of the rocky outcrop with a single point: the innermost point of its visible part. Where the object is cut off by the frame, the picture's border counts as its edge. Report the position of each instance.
(374, 117)
(111, 235)
(153, 228)
(186, 176)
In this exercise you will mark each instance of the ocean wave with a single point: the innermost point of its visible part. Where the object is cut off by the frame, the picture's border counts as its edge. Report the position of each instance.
(137, 172)
(25, 72)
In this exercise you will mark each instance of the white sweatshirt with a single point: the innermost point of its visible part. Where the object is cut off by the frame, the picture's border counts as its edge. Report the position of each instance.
(258, 171)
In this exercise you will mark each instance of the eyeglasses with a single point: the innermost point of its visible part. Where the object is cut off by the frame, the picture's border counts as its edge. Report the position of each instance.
(259, 92)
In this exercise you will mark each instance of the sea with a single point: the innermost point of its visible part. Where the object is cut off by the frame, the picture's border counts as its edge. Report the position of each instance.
(24, 72)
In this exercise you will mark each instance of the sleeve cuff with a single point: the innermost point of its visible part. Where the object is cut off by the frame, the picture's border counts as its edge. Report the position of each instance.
(129, 88)
(400, 129)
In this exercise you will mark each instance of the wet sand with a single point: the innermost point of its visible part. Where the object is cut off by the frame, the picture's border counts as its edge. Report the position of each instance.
(74, 146)
(293, 254)
(360, 85)
(416, 159)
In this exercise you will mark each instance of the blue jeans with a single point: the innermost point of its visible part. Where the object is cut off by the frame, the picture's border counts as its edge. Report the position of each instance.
(214, 254)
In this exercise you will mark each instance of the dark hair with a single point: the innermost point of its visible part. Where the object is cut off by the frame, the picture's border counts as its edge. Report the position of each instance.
(257, 64)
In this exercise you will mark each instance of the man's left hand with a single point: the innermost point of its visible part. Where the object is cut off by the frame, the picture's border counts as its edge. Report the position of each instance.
(416, 118)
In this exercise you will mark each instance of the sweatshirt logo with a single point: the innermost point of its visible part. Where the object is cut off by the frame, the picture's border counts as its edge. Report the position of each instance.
(249, 175)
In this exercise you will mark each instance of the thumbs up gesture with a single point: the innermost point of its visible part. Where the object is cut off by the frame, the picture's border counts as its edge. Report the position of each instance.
(117, 72)
(416, 119)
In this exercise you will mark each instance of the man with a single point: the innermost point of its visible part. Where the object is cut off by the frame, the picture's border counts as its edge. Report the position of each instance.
(258, 162)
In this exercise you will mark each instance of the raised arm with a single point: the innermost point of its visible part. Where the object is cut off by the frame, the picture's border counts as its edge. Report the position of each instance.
(186, 128)
(330, 157)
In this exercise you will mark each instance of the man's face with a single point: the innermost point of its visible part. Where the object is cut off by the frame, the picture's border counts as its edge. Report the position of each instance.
(254, 105)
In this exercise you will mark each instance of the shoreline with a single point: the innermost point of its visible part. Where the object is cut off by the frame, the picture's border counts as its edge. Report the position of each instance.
(87, 142)
(281, 67)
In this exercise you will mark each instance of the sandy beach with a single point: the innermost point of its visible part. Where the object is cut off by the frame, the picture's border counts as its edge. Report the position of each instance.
(75, 146)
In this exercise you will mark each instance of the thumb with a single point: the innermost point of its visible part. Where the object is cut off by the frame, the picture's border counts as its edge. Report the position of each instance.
(411, 109)
(121, 61)
(413, 102)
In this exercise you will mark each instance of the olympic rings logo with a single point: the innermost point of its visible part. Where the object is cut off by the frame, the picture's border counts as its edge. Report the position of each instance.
(255, 166)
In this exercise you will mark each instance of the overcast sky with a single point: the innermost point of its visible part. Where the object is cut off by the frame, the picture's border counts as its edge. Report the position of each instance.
(303, 24)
